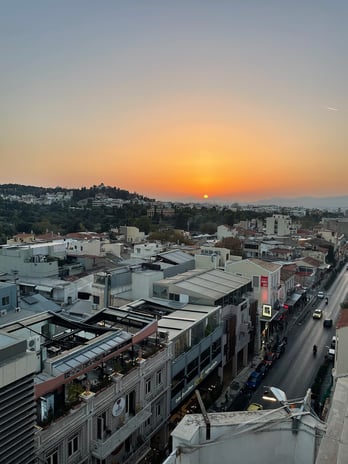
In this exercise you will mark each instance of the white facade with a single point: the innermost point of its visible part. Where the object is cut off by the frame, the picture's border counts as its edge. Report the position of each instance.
(142, 283)
(132, 234)
(265, 277)
(246, 437)
(278, 224)
(210, 257)
(146, 250)
(224, 231)
(27, 261)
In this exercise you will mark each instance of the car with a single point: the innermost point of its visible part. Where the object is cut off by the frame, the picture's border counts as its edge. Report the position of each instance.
(262, 367)
(327, 323)
(321, 295)
(254, 380)
(317, 314)
(331, 354)
(255, 407)
(333, 342)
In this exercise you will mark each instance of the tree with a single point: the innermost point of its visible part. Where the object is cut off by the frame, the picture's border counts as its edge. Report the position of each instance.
(232, 244)
(209, 228)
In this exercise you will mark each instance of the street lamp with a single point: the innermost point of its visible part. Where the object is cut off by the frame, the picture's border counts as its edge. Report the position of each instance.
(276, 394)
(295, 412)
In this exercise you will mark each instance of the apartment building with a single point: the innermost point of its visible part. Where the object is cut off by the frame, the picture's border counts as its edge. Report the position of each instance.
(218, 288)
(17, 404)
(278, 224)
(101, 387)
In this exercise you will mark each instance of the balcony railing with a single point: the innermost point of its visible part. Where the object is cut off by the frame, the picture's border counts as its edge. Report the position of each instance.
(102, 448)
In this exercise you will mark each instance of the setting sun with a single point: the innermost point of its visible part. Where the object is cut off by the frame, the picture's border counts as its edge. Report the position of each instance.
(205, 196)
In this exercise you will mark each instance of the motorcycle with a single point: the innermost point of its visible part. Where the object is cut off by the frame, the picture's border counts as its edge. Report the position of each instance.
(315, 349)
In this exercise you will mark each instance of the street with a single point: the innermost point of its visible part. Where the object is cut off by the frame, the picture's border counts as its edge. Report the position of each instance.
(296, 369)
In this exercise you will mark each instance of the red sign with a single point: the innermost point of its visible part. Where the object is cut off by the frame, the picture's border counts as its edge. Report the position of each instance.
(264, 281)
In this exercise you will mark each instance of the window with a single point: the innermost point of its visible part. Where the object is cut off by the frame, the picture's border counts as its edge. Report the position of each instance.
(158, 377)
(73, 445)
(52, 458)
(101, 425)
(5, 300)
(158, 409)
(174, 297)
(147, 386)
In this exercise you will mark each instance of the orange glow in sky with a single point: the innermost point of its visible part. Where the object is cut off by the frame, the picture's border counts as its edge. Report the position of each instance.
(176, 102)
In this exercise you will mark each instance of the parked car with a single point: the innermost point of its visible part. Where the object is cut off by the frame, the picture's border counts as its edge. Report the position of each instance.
(317, 314)
(327, 323)
(255, 407)
(321, 295)
(333, 342)
(254, 380)
(331, 353)
(262, 367)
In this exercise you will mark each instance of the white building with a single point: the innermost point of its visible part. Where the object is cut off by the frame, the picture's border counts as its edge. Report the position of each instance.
(265, 277)
(278, 224)
(268, 436)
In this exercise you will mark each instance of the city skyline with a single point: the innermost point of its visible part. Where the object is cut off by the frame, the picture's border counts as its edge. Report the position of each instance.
(234, 101)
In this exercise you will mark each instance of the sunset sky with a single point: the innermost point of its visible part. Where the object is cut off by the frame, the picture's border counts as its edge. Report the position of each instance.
(239, 100)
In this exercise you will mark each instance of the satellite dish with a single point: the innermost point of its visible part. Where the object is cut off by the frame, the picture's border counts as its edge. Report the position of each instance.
(118, 407)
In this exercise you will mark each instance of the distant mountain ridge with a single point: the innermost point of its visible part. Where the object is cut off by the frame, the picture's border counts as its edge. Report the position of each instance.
(308, 202)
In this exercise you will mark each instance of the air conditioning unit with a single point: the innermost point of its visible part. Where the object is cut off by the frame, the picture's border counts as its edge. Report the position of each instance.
(3, 312)
(34, 343)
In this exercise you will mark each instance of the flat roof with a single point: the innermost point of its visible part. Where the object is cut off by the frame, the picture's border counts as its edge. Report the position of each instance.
(214, 284)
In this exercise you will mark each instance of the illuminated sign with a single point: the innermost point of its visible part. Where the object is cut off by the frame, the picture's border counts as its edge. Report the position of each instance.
(264, 281)
(266, 310)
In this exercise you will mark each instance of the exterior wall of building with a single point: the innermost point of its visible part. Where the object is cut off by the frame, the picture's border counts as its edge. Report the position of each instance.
(114, 248)
(132, 234)
(26, 264)
(193, 362)
(115, 423)
(84, 247)
(341, 362)
(278, 224)
(266, 284)
(18, 409)
(146, 250)
(316, 254)
(8, 297)
(142, 283)
(228, 444)
(211, 257)
(225, 231)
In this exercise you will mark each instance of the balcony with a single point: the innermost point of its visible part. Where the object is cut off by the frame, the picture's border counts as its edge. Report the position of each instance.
(103, 448)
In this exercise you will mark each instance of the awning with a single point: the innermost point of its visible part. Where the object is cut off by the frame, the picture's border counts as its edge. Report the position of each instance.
(293, 299)
(43, 288)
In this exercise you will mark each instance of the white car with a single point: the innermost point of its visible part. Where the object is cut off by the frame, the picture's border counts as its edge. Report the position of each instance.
(331, 353)
(321, 295)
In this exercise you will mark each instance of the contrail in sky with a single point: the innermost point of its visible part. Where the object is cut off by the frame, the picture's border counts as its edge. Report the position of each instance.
(331, 108)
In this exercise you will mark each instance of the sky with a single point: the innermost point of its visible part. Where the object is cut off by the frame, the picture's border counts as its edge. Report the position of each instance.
(237, 100)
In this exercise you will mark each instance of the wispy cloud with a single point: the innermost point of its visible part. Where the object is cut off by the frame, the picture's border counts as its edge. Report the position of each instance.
(332, 108)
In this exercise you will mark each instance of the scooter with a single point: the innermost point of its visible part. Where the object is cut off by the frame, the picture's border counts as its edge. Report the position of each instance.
(315, 349)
